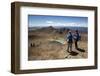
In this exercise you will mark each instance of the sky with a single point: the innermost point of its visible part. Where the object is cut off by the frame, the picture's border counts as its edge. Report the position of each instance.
(46, 20)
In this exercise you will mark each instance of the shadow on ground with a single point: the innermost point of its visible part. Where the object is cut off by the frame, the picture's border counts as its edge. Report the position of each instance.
(73, 53)
(81, 50)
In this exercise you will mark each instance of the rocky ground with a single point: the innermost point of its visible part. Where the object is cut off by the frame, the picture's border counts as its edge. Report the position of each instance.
(49, 44)
(48, 49)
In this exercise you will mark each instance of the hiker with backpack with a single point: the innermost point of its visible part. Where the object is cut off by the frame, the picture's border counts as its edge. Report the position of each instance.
(76, 38)
(69, 39)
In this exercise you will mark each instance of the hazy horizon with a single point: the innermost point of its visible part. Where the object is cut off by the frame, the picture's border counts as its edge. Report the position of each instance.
(56, 21)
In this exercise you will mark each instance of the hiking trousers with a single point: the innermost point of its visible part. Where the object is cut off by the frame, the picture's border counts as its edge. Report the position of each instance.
(69, 47)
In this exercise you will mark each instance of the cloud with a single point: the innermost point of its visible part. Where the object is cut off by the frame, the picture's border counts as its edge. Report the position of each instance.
(49, 22)
(66, 24)
(73, 24)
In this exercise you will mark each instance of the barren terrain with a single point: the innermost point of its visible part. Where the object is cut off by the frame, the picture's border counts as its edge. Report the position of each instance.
(48, 43)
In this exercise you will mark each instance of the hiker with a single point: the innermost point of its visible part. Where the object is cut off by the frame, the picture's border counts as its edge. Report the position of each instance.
(76, 37)
(69, 39)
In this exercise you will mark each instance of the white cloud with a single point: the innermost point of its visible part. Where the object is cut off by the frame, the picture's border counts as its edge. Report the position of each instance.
(49, 22)
(70, 24)
(66, 24)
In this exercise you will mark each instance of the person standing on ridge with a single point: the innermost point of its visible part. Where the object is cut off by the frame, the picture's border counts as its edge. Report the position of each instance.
(69, 39)
(76, 37)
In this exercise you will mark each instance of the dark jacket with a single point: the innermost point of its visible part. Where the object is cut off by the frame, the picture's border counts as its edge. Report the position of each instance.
(69, 38)
(77, 36)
